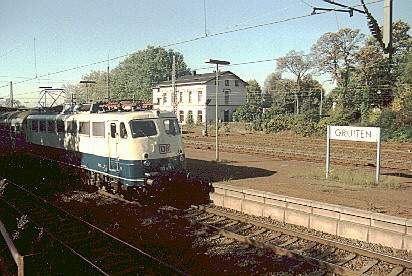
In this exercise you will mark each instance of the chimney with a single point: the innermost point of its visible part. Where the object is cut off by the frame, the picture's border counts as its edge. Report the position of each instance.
(194, 72)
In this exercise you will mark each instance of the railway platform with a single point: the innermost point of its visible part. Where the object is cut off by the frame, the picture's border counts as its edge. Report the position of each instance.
(303, 179)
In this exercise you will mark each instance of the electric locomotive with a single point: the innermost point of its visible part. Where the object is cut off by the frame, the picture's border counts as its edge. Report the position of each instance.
(126, 151)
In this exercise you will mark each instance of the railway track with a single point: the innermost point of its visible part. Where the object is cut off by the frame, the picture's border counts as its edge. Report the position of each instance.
(329, 256)
(392, 162)
(96, 249)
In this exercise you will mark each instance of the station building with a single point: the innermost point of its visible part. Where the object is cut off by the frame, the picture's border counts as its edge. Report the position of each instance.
(196, 96)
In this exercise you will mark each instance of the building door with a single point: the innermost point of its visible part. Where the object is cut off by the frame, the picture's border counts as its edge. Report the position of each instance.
(113, 140)
(226, 117)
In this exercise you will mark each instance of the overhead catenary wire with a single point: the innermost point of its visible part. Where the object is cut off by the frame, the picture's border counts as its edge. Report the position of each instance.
(188, 41)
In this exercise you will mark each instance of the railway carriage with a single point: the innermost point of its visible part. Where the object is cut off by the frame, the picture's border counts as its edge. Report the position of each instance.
(134, 149)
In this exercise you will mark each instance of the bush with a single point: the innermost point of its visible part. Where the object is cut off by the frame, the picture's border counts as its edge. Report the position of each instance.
(338, 117)
(246, 113)
(387, 119)
(299, 124)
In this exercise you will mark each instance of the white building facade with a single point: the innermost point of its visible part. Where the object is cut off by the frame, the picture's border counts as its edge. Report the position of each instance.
(196, 97)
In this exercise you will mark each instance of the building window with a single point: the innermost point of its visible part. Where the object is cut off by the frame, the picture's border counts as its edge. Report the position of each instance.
(199, 116)
(226, 117)
(164, 98)
(181, 97)
(158, 101)
(236, 82)
(190, 116)
(190, 96)
(199, 96)
(226, 82)
(227, 96)
(98, 129)
(181, 116)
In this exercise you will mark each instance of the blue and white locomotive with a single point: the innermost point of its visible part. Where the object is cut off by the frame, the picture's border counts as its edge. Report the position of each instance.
(127, 149)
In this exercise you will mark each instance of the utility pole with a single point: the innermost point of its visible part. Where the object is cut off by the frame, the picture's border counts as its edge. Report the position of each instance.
(35, 56)
(297, 103)
(387, 27)
(217, 62)
(174, 102)
(108, 79)
(11, 95)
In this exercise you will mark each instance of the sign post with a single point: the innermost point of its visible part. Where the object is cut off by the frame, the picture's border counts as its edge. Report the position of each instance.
(350, 133)
(328, 153)
(378, 157)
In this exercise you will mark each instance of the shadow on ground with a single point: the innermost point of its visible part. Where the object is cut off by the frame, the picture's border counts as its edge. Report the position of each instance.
(399, 174)
(211, 171)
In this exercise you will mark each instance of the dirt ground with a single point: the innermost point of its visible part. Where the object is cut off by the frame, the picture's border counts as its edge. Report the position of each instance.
(306, 180)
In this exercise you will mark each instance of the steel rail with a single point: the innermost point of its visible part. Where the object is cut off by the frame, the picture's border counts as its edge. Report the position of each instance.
(324, 241)
(17, 257)
(279, 250)
(317, 143)
(313, 157)
(66, 213)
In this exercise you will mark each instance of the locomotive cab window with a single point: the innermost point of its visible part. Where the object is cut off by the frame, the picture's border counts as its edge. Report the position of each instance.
(113, 130)
(35, 126)
(84, 128)
(50, 126)
(123, 131)
(42, 125)
(60, 126)
(171, 126)
(141, 128)
(98, 129)
(72, 127)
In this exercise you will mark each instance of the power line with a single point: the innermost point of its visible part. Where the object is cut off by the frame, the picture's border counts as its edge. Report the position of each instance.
(187, 41)
(306, 3)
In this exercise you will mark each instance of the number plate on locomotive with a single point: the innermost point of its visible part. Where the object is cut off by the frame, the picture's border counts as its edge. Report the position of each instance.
(164, 148)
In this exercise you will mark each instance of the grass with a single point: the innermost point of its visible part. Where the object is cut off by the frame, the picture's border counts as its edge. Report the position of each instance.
(344, 178)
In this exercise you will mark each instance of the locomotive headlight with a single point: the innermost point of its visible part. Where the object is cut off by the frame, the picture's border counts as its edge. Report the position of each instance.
(146, 163)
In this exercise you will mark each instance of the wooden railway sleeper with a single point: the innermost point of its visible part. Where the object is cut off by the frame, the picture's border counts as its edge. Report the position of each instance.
(288, 242)
(259, 232)
(396, 271)
(324, 254)
(272, 237)
(368, 266)
(347, 259)
(230, 224)
(67, 238)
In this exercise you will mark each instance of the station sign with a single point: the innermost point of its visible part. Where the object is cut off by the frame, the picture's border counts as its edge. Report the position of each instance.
(351, 133)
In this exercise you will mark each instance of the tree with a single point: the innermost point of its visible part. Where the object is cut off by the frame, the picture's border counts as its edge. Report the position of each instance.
(88, 92)
(254, 92)
(7, 102)
(137, 73)
(299, 65)
(335, 54)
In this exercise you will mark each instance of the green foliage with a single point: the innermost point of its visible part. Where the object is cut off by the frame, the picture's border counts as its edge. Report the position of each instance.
(136, 74)
(247, 113)
(303, 124)
(254, 92)
(132, 78)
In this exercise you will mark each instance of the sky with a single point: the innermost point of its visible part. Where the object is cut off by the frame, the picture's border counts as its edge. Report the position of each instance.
(44, 36)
